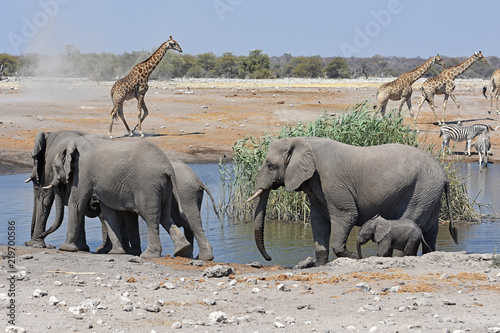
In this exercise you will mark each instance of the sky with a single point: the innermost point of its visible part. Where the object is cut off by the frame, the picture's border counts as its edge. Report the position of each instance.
(361, 28)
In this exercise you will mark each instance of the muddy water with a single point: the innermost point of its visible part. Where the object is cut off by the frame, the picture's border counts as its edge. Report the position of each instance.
(287, 243)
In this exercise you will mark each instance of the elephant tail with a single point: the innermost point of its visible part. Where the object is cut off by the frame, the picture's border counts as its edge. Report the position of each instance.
(453, 229)
(205, 188)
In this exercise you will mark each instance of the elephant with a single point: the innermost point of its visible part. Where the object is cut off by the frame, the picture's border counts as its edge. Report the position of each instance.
(45, 148)
(348, 185)
(403, 235)
(191, 190)
(124, 176)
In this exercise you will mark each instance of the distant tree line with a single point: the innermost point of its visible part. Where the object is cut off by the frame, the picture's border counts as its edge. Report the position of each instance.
(257, 65)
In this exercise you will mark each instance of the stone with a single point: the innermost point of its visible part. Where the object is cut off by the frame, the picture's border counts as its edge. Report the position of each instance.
(218, 271)
(39, 293)
(307, 263)
(217, 317)
(363, 286)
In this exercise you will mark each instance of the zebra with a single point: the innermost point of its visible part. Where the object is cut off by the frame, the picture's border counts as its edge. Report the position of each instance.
(462, 133)
(483, 145)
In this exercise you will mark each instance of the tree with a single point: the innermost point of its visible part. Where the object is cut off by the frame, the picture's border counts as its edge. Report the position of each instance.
(227, 65)
(307, 66)
(255, 66)
(207, 62)
(337, 68)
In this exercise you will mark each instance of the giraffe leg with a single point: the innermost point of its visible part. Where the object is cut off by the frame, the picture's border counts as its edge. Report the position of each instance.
(430, 99)
(141, 106)
(497, 94)
(144, 115)
(458, 107)
(122, 117)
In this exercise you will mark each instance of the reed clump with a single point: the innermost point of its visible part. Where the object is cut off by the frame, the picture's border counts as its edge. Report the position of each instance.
(358, 127)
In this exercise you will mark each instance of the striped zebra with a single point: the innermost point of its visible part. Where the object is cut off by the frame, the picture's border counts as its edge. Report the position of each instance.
(483, 145)
(462, 133)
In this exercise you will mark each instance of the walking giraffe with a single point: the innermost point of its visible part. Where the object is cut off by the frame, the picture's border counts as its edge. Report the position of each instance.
(400, 89)
(444, 83)
(495, 89)
(135, 85)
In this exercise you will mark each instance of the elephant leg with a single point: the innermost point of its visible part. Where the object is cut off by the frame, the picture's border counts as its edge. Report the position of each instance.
(411, 248)
(131, 221)
(321, 228)
(75, 221)
(341, 225)
(105, 247)
(195, 229)
(114, 225)
(182, 248)
(153, 249)
(385, 248)
(42, 207)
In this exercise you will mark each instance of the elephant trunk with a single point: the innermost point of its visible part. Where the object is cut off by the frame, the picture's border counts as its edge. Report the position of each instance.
(259, 217)
(358, 247)
(59, 217)
(36, 193)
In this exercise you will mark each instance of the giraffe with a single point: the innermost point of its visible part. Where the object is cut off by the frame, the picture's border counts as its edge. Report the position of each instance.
(135, 85)
(444, 83)
(495, 89)
(400, 89)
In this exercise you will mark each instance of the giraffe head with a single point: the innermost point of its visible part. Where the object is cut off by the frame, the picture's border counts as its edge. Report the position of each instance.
(172, 44)
(439, 61)
(479, 56)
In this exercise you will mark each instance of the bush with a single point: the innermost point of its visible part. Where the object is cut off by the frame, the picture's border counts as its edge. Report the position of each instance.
(360, 127)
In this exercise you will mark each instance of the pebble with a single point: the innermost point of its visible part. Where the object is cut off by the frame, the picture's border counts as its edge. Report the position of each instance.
(217, 317)
(39, 293)
(363, 286)
(218, 271)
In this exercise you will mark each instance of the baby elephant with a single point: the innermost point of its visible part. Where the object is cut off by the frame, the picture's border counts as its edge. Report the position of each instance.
(403, 235)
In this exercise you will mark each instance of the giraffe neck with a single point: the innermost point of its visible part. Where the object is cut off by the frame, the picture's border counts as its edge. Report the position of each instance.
(459, 69)
(150, 64)
(417, 73)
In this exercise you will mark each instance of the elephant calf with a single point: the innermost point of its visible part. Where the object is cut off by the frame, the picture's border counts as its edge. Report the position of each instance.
(403, 235)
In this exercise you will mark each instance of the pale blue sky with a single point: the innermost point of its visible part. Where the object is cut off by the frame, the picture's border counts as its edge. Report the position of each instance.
(406, 28)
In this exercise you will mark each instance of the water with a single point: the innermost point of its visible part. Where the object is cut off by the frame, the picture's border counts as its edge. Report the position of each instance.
(233, 241)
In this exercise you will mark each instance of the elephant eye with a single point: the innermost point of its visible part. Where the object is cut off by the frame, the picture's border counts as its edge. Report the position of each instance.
(271, 167)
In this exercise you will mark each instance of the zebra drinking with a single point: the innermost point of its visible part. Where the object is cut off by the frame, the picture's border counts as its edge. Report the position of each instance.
(483, 145)
(462, 133)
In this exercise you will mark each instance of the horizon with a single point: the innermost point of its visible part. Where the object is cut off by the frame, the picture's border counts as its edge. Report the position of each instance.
(393, 28)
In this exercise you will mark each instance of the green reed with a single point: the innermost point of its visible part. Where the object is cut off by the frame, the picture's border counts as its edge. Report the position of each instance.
(359, 126)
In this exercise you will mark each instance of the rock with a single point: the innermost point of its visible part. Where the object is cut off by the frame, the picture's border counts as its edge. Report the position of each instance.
(217, 317)
(152, 308)
(176, 325)
(363, 286)
(39, 293)
(277, 324)
(218, 271)
(14, 329)
(168, 285)
(53, 301)
(371, 307)
(282, 287)
(255, 264)
(307, 263)
(196, 263)
(27, 256)
(75, 310)
(210, 301)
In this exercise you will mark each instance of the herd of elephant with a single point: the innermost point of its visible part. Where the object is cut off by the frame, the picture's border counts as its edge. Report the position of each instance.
(396, 187)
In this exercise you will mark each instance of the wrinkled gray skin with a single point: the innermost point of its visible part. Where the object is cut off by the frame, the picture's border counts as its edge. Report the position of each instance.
(190, 189)
(45, 148)
(132, 175)
(348, 185)
(403, 235)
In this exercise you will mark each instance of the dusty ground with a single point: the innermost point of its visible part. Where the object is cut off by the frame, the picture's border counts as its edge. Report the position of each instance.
(81, 292)
(198, 121)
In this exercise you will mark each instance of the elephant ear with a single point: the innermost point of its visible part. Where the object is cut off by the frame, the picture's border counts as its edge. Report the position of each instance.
(382, 228)
(299, 163)
(64, 164)
(38, 154)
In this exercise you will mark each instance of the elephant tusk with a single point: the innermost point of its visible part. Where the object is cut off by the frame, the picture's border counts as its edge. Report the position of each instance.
(28, 180)
(256, 195)
(48, 187)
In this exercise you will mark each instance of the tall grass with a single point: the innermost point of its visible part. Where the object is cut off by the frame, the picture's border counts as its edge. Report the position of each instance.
(358, 127)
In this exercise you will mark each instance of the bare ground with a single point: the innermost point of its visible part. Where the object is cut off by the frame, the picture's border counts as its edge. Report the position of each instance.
(198, 121)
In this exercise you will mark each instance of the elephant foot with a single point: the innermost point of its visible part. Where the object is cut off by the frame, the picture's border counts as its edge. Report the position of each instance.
(206, 257)
(68, 247)
(38, 243)
(103, 249)
(147, 254)
(347, 254)
(135, 252)
(185, 250)
(321, 257)
(117, 251)
(83, 247)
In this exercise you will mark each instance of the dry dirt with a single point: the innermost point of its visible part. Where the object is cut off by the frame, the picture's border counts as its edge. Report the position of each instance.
(198, 121)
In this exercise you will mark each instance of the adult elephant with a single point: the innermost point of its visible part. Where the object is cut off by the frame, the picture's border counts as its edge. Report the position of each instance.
(132, 175)
(45, 148)
(191, 190)
(348, 185)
